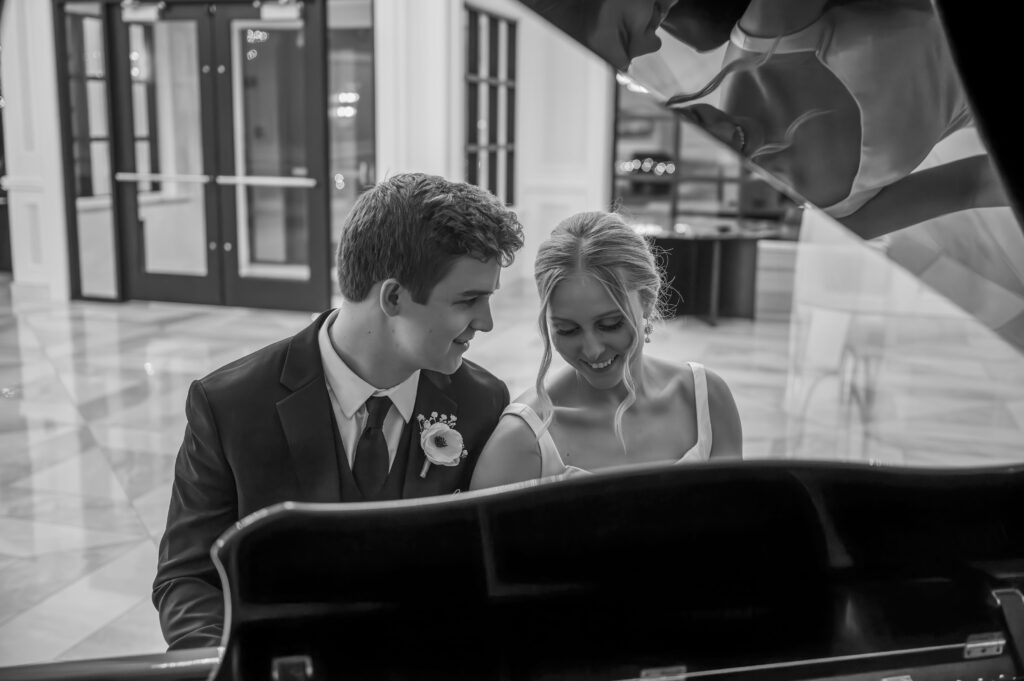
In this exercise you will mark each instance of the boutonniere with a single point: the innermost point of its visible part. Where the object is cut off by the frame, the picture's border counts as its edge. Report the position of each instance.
(441, 443)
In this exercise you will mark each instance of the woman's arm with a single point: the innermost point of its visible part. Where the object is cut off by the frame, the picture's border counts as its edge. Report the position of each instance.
(727, 432)
(512, 454)
(966, 183)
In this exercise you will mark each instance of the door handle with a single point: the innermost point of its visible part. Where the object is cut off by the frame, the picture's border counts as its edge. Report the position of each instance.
(265, 181)
(159, 177)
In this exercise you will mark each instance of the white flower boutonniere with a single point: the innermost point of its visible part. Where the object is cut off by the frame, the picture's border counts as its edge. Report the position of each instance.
(441, 443)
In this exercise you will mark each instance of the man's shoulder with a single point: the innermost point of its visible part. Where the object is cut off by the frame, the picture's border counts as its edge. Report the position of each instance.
(266, 364)
(473, 387)
(253, 364)
(471, 375)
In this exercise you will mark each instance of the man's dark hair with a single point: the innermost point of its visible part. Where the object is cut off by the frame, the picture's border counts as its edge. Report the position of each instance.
(412, 227)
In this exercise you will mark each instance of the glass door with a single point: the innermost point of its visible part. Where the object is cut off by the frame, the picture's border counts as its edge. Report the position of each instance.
(276, 242)
(164, 172)
(219, 177)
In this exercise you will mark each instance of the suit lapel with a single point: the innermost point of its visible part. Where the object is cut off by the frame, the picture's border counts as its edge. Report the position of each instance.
(430, 397)
(306, 418)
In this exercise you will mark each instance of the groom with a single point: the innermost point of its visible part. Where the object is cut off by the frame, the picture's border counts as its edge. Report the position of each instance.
(335, 413)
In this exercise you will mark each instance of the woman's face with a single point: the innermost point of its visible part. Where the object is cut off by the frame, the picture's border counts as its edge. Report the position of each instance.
(720, 125)
(589, 331)
(625, 29)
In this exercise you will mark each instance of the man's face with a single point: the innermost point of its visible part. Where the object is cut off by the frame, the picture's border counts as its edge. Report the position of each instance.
(626, 29)
(434, 335)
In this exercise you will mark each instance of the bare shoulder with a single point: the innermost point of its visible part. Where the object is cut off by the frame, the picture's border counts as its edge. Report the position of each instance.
(511, 454)
(662, 376)
(529, 398)
(718, 389)
(727, 431)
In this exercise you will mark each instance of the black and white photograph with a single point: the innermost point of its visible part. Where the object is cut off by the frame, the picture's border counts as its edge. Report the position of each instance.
(511, 340)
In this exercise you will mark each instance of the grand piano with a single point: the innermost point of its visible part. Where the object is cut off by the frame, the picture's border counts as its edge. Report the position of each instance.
(796, 570)
(732, 571)
(725, 571)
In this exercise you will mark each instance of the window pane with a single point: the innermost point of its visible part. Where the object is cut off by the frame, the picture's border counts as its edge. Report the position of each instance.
(140, 57)
(493, 46)
(269, 74)
(174, 231)
(490, 102)
(511, 50)
(510, 195)
(143, 164)
(492, 114)
(99, 169)
(473, 112)
(275, 241)
(350, 105)
(94, 54)
(96, 98)
(165, 106)
(472, 43)
(140, 109)
(171, 118)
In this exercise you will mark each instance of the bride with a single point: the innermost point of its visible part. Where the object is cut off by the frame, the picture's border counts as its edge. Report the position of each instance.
(611, 406)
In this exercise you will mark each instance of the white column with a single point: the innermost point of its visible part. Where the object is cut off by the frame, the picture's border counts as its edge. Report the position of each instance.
(35, 171)
(416, 96)
(564, 110)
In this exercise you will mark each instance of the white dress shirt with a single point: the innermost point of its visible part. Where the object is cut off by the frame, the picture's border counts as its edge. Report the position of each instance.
(349, 393)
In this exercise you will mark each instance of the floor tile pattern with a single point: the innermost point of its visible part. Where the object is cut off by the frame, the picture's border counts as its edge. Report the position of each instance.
(92, 412)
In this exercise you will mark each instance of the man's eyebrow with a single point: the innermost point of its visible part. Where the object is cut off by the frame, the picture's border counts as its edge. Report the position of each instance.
(475, 292)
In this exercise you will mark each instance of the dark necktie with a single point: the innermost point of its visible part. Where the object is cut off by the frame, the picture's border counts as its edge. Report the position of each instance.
(370, 466)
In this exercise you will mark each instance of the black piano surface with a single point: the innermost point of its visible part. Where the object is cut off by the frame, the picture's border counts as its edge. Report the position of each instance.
(747, 570)
(742, 570)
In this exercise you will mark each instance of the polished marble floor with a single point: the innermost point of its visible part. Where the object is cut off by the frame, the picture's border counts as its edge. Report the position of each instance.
(91, 415)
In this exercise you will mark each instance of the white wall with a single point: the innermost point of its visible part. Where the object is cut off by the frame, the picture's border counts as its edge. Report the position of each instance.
(416, 97)
(564, 110)
(32, 143)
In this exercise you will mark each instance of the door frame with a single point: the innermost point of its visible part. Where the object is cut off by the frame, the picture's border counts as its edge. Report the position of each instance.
(140, 284)
(311, 295)
(314, 294)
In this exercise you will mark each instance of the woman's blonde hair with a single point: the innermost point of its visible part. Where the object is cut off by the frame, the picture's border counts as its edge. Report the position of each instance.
(603, 246)
(729, 68)
(681, 101)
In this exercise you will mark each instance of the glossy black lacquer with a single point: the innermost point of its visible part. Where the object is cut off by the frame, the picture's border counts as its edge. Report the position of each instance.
(710, 567)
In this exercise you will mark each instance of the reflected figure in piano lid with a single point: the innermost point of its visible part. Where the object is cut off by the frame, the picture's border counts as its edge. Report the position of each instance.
(845, 101)
(617, 30)
(600, 289)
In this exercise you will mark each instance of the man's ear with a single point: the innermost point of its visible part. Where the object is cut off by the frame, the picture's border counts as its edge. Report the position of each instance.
(391, 294)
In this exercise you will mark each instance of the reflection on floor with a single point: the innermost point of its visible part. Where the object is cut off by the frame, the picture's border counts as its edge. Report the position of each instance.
(91, 415)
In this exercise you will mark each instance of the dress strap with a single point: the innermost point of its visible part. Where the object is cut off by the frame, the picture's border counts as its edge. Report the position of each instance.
(812, 38)
(551, 460)
(702, 450)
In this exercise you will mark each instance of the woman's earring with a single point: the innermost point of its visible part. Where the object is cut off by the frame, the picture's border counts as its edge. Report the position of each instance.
(648, 330)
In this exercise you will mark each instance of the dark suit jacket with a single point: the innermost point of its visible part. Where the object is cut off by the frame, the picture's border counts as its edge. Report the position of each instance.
(261, 431)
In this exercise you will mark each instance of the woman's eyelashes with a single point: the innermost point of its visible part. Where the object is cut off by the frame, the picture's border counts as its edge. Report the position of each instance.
(602, 326)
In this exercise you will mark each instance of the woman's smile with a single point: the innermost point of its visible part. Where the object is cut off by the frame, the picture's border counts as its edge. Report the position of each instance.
(601, 366)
